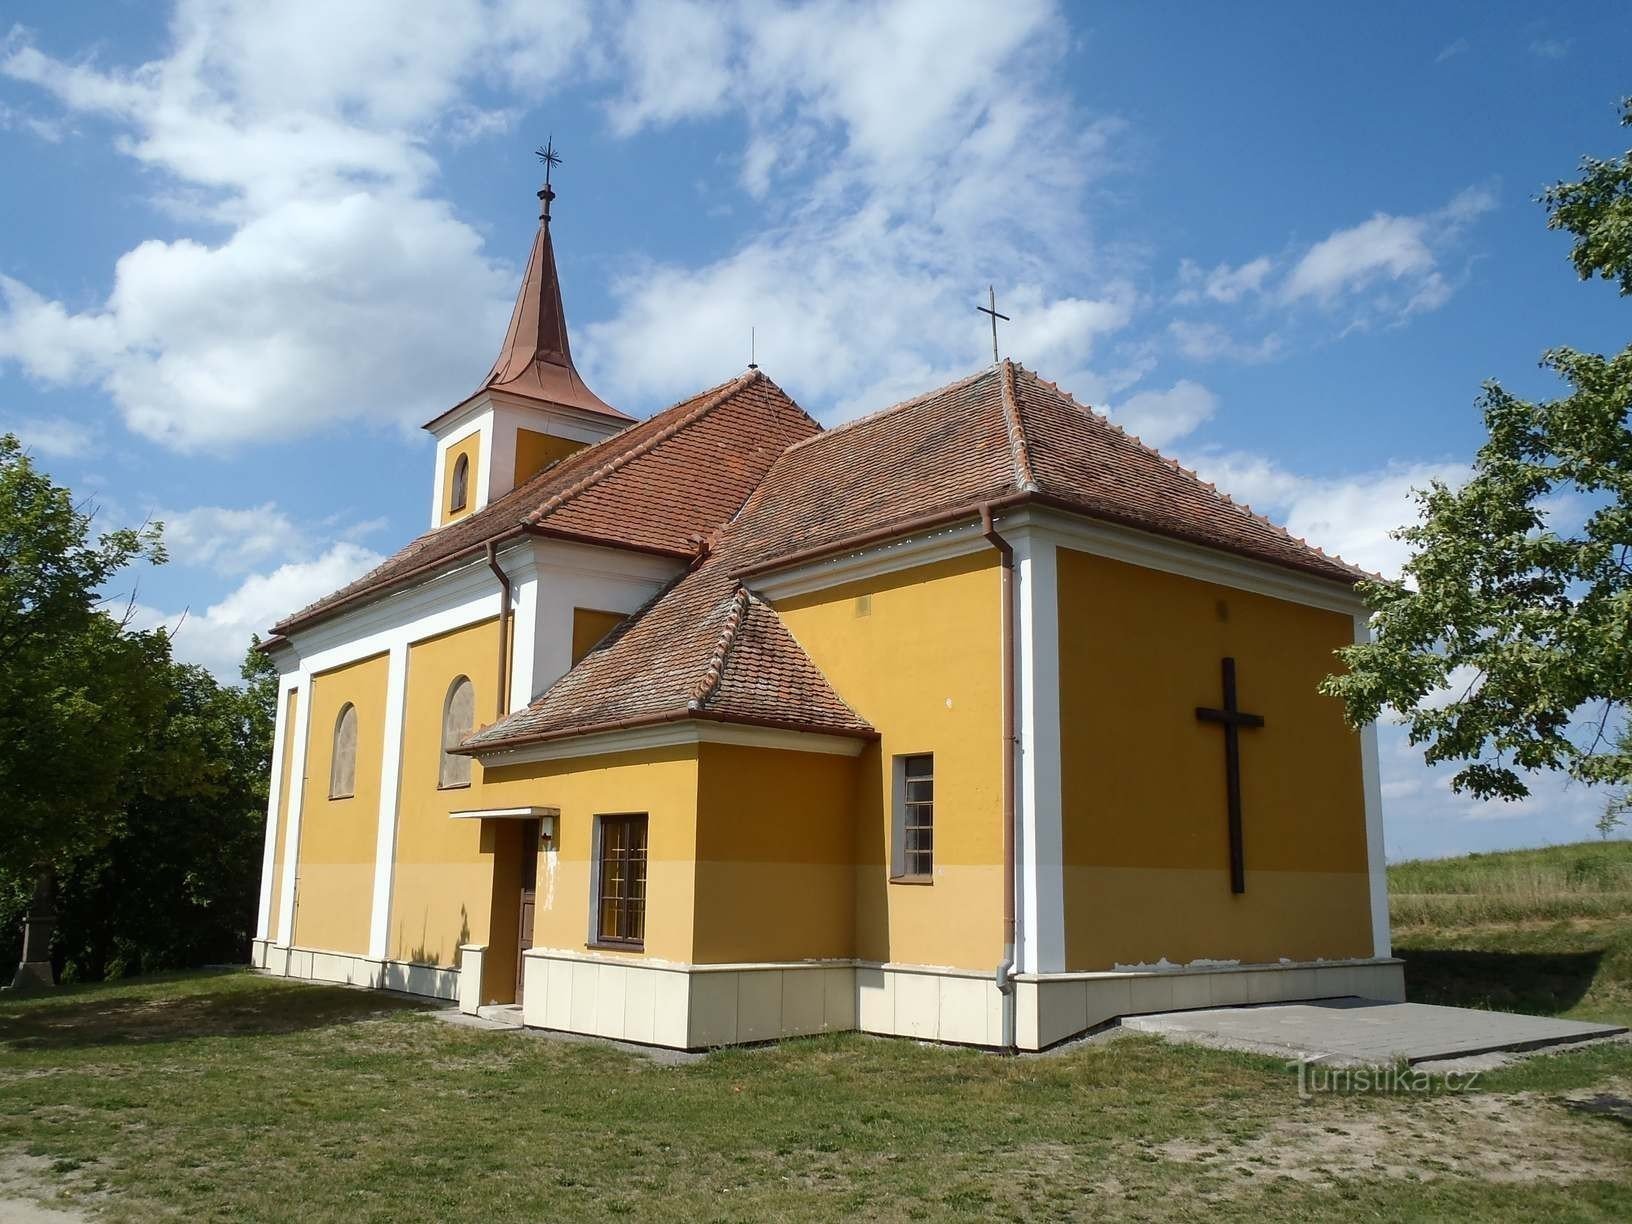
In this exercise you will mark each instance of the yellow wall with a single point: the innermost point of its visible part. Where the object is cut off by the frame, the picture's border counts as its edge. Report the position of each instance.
(441, 889)
(1145, 834)
(335, 867)
(534, 450)
(290, 704)
(470, 447)
(589, 627)
(775, 847)
(662, 782)
(923, 666)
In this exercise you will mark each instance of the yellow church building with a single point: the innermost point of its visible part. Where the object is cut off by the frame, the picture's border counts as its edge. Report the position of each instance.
(973, 720)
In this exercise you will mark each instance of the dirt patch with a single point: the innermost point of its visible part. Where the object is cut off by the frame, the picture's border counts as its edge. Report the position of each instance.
(27, 1184)
(1491, 1137)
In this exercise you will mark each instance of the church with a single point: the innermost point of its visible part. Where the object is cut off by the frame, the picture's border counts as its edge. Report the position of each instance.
(972, 720)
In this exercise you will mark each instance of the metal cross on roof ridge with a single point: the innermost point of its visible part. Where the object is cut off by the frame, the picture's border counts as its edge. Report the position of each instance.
(991, 309)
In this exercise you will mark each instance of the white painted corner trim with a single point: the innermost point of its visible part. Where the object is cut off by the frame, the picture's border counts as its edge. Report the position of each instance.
(1376, 861)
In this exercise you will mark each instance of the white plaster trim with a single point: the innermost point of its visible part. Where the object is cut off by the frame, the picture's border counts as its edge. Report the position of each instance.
(1190, 560)
(385, 839)
(1072, 531)
(663, 735)
(890, 557)
(291, 828)
(1376, 862)
(481, 423)
(484, 469)
(1040, 887)
(269, 851)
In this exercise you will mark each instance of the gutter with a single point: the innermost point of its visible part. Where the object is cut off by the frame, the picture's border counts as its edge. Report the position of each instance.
(502, 688)
(1005, 969)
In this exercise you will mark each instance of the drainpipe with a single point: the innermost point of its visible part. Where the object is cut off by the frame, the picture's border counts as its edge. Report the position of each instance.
(1005, 969)
(502, 688)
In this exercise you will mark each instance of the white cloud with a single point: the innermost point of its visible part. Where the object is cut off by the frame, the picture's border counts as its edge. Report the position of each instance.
(218, 636)
(1209, 341)
(1222, 283)
(53, 437)
(1160, 417)
(897, 118)
(227, 540)
(1451, 50)
(1404, 251)
(1550, 48)
(342, 290)
(1350, 515)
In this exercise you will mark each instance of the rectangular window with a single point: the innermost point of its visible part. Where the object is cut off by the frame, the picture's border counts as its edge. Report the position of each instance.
(914, 839)
(621, 904)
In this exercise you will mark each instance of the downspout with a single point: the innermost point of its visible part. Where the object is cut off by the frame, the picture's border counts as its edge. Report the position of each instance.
(1005, 968)
(503, 686)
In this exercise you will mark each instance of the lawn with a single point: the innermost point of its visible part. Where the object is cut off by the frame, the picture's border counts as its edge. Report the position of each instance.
(231, 1096)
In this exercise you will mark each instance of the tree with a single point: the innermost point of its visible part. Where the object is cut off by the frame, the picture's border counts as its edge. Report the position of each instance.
(176, 885)
(76, 685)
(1508, 644)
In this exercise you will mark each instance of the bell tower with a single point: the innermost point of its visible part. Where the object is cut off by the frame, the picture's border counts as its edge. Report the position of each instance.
(532, 408)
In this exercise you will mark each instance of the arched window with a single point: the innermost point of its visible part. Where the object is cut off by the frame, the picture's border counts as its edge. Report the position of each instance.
(343, 766)
(461, 484)
(458, 720)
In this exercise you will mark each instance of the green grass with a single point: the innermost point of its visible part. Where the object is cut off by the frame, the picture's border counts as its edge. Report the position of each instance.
(1544, 931)
(234, 1097)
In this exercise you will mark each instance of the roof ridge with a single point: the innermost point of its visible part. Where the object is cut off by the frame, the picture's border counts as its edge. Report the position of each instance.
(709, 681)
(1239, 507)
(842, 426)
(645, 445)
(1016, 428)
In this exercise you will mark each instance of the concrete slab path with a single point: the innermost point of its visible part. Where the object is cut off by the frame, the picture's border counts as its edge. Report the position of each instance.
(1368, 1031)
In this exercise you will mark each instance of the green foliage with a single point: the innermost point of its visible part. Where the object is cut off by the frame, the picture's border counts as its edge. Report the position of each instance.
(1598, 211)
(139, 782)
(76, 698)
(1508, 644)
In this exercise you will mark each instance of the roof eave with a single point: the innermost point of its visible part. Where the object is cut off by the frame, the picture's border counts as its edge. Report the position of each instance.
(683, 714)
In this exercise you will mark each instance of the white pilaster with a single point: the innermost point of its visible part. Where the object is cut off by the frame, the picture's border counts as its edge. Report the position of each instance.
(297, 792)
(385, 839)
(269, 851)
(1376, 862)
(1040, 889)
(523, 641)
(484, 467)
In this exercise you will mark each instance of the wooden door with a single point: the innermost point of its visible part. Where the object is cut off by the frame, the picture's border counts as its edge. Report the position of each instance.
(529, 897)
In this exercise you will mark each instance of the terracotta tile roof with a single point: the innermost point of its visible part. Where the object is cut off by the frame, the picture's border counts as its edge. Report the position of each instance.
(706, 647)
(656, 486)
(1002, 434)
(703, 648)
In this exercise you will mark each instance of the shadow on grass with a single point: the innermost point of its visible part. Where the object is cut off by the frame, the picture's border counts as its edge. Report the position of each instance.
(94, 1016)
(1537, 983)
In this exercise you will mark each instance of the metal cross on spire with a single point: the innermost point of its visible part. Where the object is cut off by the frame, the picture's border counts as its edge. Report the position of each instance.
(551, 159)
(991, 309)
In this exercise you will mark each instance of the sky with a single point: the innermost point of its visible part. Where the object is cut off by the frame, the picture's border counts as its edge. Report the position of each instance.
(248, 249)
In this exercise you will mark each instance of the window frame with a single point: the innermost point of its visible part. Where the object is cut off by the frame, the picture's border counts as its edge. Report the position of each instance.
(459, 484)
(907, 861)
(598, 937)
(444, 756)
(335, 793)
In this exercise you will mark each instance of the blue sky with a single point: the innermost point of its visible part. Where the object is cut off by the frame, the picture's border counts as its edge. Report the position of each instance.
(249, 249)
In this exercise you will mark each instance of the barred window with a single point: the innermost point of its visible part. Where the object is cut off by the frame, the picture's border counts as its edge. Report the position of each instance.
(915, 817)
(458, 720)
(343, 764)
(621, 908)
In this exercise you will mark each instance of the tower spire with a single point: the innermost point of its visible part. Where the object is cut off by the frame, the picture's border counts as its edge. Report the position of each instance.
(536, 358)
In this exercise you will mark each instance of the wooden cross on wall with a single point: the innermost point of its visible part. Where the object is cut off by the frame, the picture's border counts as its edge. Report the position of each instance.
(1232, 719)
